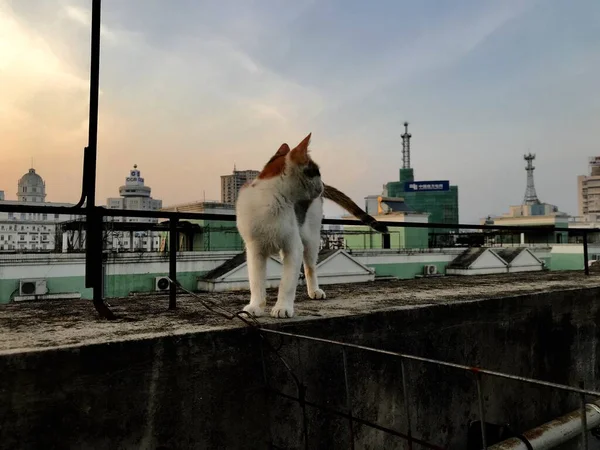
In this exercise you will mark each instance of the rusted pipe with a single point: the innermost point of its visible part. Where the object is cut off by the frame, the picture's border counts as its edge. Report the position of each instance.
(555, 432)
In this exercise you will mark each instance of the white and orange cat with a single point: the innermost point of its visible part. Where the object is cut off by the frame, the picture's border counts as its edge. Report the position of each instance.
(281, 212)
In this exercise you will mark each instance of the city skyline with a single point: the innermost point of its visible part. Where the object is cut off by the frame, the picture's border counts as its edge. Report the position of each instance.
(481, 83)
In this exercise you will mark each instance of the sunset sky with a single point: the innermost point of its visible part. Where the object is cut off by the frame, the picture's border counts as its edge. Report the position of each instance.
(189, 88)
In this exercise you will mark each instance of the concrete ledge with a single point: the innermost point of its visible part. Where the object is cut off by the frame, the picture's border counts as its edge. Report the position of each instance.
(188, 379)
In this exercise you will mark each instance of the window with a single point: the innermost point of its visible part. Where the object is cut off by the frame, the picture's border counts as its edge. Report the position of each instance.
(21, 238)
(11, 215)
(44, 246)
(44, 238)
(34, 189)
(1, 237)
(10, 238)
(23, 217)
(56, 216)
(24, 188)
(45, 216)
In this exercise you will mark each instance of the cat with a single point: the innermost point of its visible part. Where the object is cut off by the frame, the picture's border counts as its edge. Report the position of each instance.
(281, 211)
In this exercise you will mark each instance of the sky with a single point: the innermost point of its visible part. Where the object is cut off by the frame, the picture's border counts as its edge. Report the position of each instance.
(191, 88)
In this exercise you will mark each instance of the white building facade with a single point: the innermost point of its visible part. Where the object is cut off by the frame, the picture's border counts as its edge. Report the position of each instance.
(134, 195)
(30, 232)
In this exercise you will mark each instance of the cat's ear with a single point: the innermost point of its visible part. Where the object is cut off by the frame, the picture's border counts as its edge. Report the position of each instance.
(276, 164)
(283, 150)
(300, 154)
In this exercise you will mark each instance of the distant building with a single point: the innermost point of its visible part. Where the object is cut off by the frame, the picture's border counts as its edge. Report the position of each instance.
(588, 191)
(438, 199)
(214, 235)
(30, 232)
(532, 212)
(134, 194)
(231, 184)
(388, 209)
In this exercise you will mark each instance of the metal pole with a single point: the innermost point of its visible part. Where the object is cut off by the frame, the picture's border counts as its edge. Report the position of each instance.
(93, 263)
(348, 398)
(406, 405)
(173, 263)
(386, 240)
(586, 266)
(481, 410)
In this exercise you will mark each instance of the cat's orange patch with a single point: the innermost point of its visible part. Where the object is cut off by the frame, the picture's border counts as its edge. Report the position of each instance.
(276, 164)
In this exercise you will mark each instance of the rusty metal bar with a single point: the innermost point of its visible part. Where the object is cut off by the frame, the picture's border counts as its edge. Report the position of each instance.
(584, 435)
(586, 265)
(406, 405)
(348, 398)
(481, 409)
(232, 218)
(173, 263)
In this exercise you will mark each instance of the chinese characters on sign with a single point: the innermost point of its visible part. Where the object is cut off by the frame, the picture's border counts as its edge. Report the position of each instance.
(427, 186)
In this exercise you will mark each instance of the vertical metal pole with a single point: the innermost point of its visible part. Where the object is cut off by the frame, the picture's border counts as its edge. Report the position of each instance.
(386, 240)
(173, 263)
(481, 410)
(93, 263)
(348, 398)
(586, 266)
(584, 436)
(406, 404)
(267, 388)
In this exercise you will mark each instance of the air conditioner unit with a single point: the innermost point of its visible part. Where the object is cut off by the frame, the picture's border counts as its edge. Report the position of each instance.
(161, 284)
(429, 269)
(33, 286)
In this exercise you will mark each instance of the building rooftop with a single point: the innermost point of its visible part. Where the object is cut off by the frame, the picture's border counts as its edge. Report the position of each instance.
(35, 326)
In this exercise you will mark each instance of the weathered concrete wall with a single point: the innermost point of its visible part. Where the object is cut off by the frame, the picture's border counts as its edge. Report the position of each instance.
(204, 390)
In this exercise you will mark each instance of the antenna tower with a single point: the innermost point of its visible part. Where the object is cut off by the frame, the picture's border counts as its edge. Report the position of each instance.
(406, 147)
(531, 197)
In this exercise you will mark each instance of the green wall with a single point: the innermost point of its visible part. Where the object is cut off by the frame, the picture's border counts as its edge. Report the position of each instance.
(406, 270)
(400, 237)
(122, 285)
(10, 288)
(567, 261)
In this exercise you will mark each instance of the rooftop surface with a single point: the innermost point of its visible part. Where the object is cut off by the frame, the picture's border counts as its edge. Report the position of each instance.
(35, 326)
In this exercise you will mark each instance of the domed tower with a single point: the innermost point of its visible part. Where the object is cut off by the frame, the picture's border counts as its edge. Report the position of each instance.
(31, 188)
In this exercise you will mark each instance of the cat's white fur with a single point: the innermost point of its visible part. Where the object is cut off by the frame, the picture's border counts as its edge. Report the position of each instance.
(267, 223)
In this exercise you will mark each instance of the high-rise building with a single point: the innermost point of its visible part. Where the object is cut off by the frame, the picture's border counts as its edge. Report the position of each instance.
(231, 184)
(588, 191)
(30, 232)
(438, 198)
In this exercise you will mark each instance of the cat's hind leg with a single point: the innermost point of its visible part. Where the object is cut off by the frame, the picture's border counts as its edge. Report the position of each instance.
(257, 274)
(311, 255)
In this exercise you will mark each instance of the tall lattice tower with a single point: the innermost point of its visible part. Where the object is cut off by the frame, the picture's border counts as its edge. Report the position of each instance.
(531, 197)
(406, 147)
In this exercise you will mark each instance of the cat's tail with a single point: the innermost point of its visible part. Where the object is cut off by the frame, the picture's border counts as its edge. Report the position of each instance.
(346, 202)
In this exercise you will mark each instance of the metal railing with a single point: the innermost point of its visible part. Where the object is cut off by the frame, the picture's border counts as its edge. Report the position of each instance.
(94, 237)
(477, 373)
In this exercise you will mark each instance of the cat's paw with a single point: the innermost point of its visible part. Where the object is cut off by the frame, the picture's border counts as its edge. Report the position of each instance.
(254, 310)
(318, 294)
(281, 312)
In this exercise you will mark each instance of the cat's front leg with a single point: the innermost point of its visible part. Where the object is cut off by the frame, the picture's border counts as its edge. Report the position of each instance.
(292, 259)
(257, 274)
